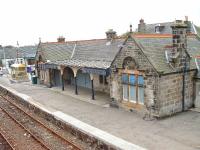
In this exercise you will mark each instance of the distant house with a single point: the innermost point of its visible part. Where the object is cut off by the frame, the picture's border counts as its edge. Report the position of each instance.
(155, 70)
(28, 53)
(164, 27)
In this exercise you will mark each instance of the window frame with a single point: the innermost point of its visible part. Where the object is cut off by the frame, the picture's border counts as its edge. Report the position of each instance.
(138, 83)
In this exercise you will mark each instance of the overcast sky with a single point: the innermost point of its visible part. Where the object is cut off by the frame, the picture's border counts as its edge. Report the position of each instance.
(27, 20)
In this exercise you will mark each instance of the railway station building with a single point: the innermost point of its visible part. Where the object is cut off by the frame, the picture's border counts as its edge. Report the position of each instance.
(155, 69)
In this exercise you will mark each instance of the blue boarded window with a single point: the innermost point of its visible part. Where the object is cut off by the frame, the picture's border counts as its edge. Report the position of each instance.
(141, 80)
(132, 79)
(133, 88)
(141, 95)
(125, 78)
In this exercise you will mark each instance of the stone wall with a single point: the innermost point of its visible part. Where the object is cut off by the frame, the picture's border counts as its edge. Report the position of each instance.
(132, 50)
(197, 100)
(44, 77)
(102, 87)
(150, 77)
(170, 90)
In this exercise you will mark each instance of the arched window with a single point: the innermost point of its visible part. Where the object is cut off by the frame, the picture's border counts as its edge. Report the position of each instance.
(129, 63)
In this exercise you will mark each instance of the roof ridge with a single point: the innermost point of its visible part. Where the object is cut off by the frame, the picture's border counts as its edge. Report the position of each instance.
(73, 41)
(159, 23)
(155, 35)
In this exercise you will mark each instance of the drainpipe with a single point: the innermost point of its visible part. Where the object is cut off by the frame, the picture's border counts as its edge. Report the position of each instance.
(194, 90)
(183, 90)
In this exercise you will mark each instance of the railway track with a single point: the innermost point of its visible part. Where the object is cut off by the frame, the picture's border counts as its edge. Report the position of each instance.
(39, 131)
(4, 143)
(17, 135)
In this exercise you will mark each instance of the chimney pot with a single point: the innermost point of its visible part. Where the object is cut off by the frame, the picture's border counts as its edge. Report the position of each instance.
(186, 18)
(142, 26)
(111, 34)
(141, 20)
(61, 39)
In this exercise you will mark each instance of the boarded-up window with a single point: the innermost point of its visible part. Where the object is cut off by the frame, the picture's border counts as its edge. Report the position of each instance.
(101, 79)
(125, 79)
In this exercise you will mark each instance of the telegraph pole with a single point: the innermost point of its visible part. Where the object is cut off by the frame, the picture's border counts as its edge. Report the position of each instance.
(4, 57)
(17, 52)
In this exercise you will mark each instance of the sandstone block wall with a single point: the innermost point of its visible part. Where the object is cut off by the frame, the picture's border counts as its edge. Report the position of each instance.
(102, 87)
(197, 92)
(150, 90)
(171, 87)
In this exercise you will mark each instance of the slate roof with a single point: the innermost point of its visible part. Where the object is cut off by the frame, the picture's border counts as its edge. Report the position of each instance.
(150, 28)
(10, 53)
(56, 51)
(97, 50)
(154, 48)
(28, 51)
(24, 51)
(97, 53)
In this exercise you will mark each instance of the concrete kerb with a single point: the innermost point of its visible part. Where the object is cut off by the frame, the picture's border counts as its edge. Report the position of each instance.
(97, 138)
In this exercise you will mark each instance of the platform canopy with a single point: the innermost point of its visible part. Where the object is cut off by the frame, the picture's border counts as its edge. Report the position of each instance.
(99, 71)
(44, 66)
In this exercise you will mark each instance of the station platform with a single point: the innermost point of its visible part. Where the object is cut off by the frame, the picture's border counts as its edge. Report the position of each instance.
(125, 126)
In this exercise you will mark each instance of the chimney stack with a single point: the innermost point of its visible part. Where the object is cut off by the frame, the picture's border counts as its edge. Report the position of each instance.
(189, 24)
(110, 34)
(179, 32)
(142, 26)
(186, 18)
(61, 39)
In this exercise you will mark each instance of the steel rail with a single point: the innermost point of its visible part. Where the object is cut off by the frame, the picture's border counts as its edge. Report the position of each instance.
(27, 130)
(39, 122)
(4, 137)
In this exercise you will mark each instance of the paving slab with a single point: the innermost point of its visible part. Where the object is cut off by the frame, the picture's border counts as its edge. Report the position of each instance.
(181, 131)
